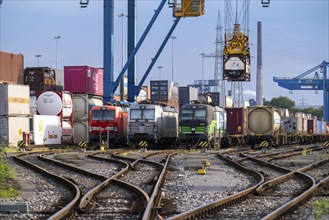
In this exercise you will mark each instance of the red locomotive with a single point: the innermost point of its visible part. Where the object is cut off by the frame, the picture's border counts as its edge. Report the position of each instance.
(108, 121)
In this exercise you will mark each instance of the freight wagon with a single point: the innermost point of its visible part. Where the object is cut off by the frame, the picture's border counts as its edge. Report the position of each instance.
(265, 125)
(236, 127)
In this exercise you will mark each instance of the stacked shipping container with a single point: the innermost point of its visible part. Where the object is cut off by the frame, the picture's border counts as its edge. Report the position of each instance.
(187, 95)
(82, 103)
(14, 112)
(165, 91)
(86, 85)
(11, 68)
(57, 105)
(83, 80)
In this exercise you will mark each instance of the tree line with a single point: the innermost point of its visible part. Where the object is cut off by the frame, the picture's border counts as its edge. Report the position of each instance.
(285, 102)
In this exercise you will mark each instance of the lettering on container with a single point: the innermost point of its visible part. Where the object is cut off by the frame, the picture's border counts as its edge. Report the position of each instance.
(18, 100)
(52, 136)
(48, 100)
(95, 79)
(19, 132)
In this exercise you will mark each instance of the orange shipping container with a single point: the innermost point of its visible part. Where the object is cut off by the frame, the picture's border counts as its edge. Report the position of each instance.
(11, 67)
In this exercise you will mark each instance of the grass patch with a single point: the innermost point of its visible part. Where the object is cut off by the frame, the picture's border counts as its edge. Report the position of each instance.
(321, 208)
(11, 149)
(8, 191)
(8, 185)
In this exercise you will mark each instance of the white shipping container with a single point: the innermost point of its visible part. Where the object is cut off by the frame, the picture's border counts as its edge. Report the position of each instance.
(229, 102)
(304, 125)
(12, 128)
(33, 104)
(67, 132)
(81, 131)
(59, 76)
(14, 99)
(293, 125)
(82, 103)
(47, 129)
(55, 103)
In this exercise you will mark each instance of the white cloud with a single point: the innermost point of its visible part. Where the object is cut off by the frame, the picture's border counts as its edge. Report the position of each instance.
(249, 92)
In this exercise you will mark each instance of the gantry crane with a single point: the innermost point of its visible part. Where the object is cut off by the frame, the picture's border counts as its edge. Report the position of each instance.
(181, 8)
(311, 83)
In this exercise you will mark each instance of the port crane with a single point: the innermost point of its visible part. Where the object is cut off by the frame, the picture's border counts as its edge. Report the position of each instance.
(310, 83)
(181, 8)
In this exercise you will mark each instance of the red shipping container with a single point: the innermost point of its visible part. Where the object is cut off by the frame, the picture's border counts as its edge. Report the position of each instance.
(83, 79)
(311, 126)
(236, 121)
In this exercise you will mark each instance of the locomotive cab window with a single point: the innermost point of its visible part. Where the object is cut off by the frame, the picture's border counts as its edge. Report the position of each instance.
(107, 115)
(187, 114)
(190, 114)
(200, 114)
(142, 114)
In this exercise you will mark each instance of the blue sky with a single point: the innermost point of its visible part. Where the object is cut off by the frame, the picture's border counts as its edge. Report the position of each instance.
(295, 39)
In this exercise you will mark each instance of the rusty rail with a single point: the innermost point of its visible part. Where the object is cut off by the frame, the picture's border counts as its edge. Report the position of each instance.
(66, 211)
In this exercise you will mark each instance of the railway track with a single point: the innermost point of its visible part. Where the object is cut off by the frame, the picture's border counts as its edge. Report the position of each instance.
(129, 194)
(56, 196)
(134, 186)
(187, 199)
(305, 207)
(260, 200)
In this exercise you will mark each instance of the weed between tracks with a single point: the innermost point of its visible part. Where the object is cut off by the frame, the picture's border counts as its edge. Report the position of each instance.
(8, 185)
(321, 208)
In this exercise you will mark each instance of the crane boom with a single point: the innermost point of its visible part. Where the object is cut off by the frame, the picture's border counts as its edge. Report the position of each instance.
(315, 83)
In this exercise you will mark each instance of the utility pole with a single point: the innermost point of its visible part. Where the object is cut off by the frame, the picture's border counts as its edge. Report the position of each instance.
(203, 55)
(122, 89)
(160, 67)
(56, 39)
(172, 56)
(38, 56)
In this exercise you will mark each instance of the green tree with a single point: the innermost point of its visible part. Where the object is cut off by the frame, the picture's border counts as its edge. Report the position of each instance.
(318, 112)
(281, 102)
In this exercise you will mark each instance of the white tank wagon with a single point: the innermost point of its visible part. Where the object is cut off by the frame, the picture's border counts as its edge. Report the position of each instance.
(152, 126)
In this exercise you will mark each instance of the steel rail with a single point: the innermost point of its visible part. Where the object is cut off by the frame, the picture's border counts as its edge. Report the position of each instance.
(295, 153)
(203, 211)
(88, 201)
(292, 205)
(66, 211)
(149, 211)
(283, 152)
